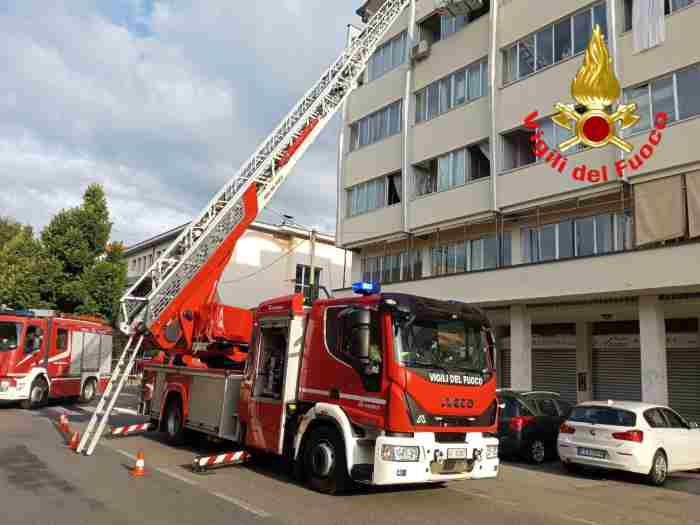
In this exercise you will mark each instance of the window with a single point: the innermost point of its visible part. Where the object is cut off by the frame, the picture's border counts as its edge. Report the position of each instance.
(411, 265)
(375, 127)
(465, 85)
(674, 420)
(374, 194)
(670, 6)
(61, 339)
(471, 255)
(655, 419)
(594, 235)
(676, 95)
(438, 27)
(602, 415)
(387, 57)
(547, 407)
(553, 43)
(9, 335)
(302, 282)
(392, 268)
(517, 149)
(33, 339)
(273, 349)
(453, 169)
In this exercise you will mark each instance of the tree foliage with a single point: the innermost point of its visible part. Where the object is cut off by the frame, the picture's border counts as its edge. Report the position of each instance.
(71, 267)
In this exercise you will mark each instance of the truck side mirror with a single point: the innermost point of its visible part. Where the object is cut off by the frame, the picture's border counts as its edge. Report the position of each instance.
(355, 324)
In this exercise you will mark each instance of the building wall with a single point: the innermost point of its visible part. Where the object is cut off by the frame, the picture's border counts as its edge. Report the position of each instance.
(264, 266)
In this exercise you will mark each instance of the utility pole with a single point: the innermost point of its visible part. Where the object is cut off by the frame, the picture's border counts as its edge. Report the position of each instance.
(312, 283)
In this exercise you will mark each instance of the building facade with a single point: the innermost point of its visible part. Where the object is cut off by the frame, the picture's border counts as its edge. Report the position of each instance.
(593, 284)
(269, 261)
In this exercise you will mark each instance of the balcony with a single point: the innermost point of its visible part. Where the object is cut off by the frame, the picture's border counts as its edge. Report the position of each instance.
(372, 225)
(471, 199)
(368, 162)
(539, 181)
(679, 49)
(376, 94)
(628, 273)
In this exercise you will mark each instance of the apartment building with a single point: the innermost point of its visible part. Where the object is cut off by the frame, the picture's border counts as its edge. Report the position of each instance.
(269, 261)
(593, 285)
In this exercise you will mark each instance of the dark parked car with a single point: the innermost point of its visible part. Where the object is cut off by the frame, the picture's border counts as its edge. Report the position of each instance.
(528, 423)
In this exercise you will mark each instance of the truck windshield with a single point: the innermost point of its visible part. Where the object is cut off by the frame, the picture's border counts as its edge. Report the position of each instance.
(448, 344)
(9, 336)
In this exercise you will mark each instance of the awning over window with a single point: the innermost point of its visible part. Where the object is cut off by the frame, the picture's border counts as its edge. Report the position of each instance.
(692, 181)
(659, 210)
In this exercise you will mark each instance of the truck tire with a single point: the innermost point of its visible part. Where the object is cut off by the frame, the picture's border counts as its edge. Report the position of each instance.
(173, 423)
(38, 395)
(88, 392)
(325, 465)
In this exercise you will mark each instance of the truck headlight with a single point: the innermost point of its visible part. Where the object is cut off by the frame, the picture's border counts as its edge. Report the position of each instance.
(491, 451)
(400, 453)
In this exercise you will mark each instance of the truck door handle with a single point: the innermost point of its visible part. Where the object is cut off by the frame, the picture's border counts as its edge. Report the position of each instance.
(335, 393)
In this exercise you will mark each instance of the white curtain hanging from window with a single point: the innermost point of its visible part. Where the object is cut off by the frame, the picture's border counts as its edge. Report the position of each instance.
(648, 24)
(485, 149)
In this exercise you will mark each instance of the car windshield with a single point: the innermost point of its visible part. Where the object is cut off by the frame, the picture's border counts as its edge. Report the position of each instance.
(599, 415)
(9, 336)
(451, 344)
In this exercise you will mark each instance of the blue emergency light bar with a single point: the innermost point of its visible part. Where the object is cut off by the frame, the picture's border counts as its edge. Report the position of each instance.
(364, 288)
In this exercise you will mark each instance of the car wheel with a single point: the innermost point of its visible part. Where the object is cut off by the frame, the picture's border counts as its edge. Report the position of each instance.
(88, 393)
(38, 395)
(325, 465)
(174, 425)
(659, 469)
(537, 451)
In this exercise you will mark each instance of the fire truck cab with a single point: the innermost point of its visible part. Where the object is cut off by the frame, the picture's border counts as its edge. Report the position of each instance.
(44, 354)
(379, 389)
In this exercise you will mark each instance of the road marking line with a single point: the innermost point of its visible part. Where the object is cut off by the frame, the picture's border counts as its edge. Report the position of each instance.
(242, 504)
(125, 453)
(581, 520)
(175, 475)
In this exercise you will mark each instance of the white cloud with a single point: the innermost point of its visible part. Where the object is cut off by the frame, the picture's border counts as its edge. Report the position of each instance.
(160, 117)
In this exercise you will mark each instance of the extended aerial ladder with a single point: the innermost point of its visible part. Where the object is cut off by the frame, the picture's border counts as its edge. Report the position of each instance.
(174, 301)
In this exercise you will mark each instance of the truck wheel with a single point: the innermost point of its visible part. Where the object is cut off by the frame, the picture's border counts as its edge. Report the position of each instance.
(88, 393)
(38, 395)
(174, 424)
(325, 466)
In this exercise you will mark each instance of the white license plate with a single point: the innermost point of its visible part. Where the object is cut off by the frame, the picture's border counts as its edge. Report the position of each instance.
(592, 453)
(456, 453)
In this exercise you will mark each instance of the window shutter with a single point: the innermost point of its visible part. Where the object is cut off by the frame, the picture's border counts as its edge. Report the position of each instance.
(659, 210)
(692, 181)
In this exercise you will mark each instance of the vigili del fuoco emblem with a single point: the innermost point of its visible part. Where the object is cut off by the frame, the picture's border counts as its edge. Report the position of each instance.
(595, 89)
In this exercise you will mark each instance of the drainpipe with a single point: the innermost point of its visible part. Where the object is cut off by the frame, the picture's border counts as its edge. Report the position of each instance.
(493, 60)
(408, 104)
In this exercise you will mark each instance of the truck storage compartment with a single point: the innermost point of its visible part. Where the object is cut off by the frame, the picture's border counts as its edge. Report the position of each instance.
(213, 403)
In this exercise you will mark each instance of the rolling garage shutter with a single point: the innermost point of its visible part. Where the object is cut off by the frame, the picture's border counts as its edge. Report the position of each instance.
(617, 374)
(503, 368)
(684, 382)
(554, 370)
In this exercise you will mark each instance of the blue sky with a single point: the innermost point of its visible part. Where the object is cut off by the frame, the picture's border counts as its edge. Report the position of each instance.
(160, 101)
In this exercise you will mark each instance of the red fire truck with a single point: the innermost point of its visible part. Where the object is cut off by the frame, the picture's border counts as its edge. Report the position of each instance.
(379, 388)
(46, 355)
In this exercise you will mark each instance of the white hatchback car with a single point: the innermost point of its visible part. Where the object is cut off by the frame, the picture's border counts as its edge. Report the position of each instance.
(623, 435)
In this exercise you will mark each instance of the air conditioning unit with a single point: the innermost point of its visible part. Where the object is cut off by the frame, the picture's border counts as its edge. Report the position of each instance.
(460, 7)
(420, 51)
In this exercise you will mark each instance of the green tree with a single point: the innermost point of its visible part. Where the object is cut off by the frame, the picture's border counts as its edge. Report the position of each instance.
(103, 284)
(9, 228)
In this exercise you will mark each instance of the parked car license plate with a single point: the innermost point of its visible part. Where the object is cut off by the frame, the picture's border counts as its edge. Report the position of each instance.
(456, 453)
(592, 453)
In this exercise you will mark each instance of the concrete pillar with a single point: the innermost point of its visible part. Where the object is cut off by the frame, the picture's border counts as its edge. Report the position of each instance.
(584, 361)
(652, 340)
(520, 348)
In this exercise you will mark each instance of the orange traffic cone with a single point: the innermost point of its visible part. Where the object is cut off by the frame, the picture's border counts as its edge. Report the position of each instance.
(140, 467)
(63, 424)
(74, 441)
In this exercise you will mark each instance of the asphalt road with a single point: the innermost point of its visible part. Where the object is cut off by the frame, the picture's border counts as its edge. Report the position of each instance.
(43, 482)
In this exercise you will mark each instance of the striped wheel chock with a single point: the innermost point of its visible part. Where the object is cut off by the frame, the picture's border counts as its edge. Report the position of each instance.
(130, 430)
(202, 463)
